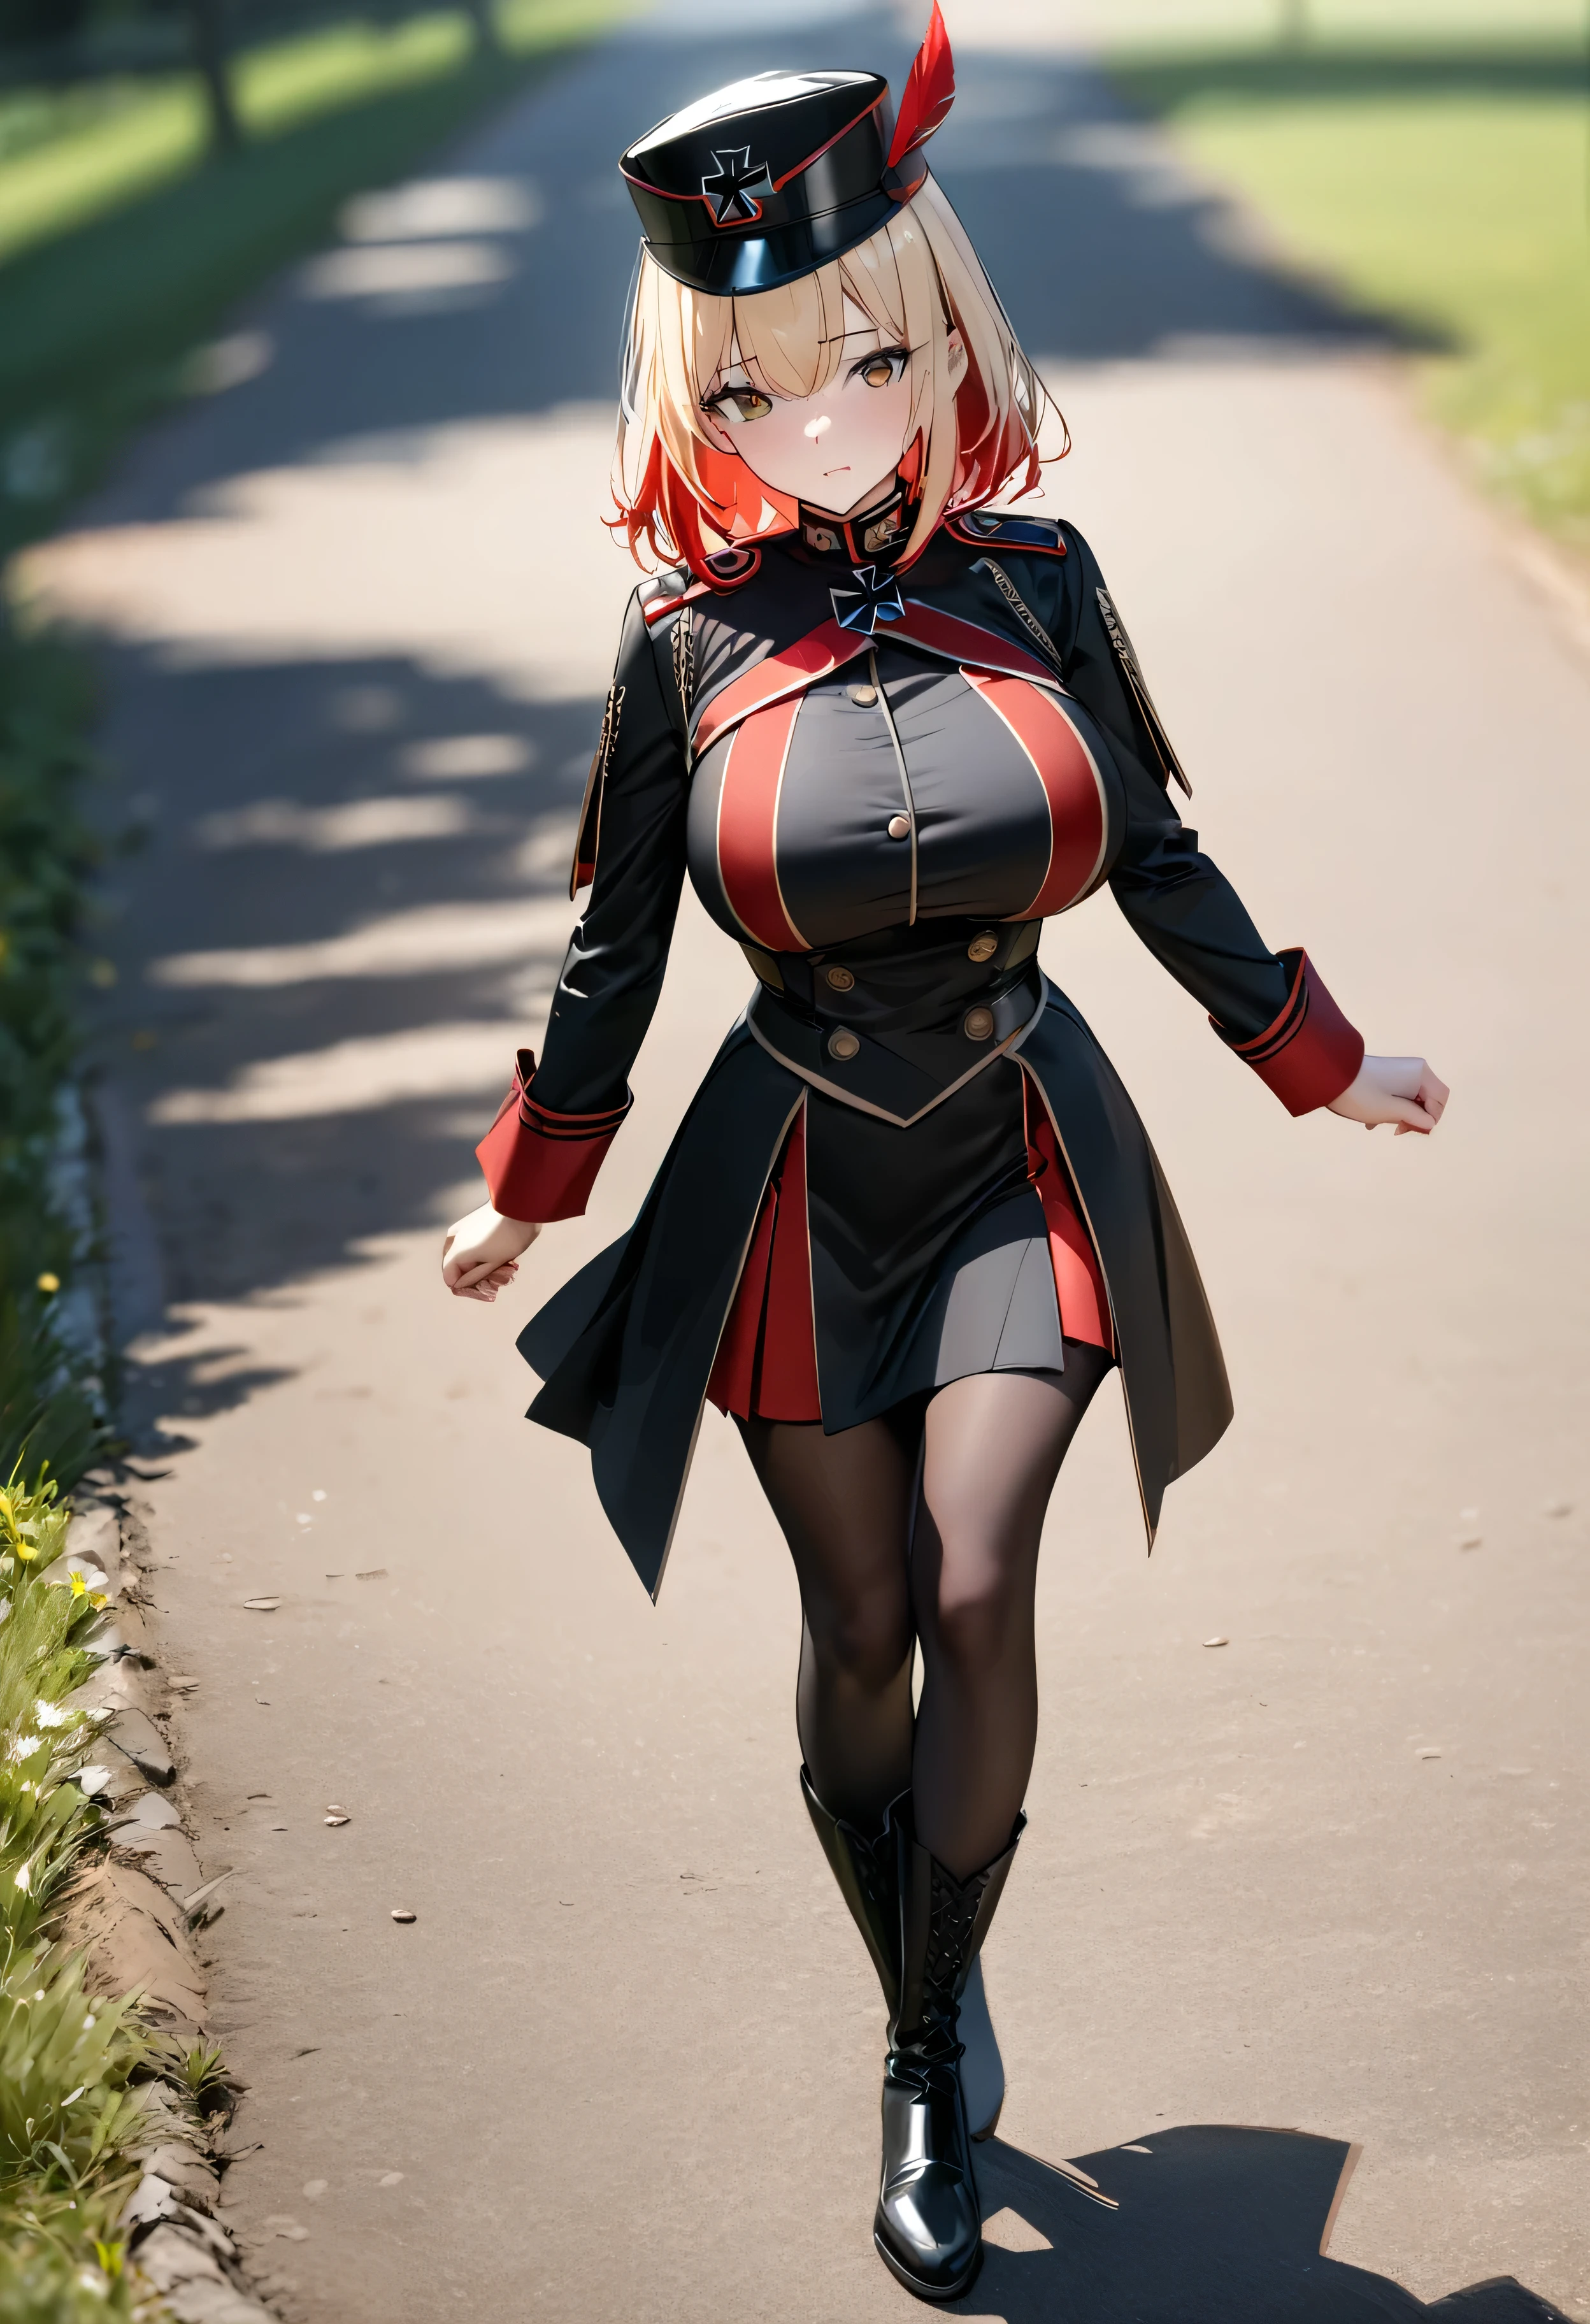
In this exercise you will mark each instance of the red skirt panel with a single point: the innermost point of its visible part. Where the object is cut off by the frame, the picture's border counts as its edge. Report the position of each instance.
(766, 1361)
(1079, 1279)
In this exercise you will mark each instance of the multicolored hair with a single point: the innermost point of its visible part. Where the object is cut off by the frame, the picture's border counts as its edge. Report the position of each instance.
(915, 280)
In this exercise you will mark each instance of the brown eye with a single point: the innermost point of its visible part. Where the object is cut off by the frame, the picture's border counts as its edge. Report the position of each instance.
(737, 404)
(879, 373)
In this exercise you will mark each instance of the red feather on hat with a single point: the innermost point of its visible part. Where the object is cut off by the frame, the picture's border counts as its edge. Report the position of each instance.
(930, 92)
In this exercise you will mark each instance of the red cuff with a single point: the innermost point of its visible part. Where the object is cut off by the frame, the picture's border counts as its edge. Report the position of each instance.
(1311, 1054)
(540, 1164)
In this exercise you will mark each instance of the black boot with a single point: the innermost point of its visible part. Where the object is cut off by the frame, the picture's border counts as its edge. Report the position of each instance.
(869, 1875)
(928, 2226)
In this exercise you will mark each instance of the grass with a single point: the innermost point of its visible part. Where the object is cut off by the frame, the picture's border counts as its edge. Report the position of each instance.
(47, 855)
(1443, 182)
(69, 2112)
(123, 244)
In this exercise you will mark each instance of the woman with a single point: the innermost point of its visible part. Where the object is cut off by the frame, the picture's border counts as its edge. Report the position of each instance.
(911, 1219)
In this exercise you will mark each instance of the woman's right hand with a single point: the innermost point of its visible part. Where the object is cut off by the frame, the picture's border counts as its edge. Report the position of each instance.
(480, 1253)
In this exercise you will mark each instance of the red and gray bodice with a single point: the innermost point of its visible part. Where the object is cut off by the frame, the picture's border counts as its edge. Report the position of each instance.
(922, 764)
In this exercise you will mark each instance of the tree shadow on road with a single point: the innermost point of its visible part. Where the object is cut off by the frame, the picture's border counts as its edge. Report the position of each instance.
(1204, 2224)
(352, 908)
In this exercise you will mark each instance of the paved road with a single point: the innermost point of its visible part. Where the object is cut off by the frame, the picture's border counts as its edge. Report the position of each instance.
(623, 2065)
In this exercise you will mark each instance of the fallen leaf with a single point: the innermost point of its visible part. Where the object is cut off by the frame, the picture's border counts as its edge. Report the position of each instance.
(1216, 1642)
(198, 1904)
(1430, 1752)
(334, 1820)
(390, 2179)
(181, 1685)
(262, 1604)
(372, 1574)
(400, 1913)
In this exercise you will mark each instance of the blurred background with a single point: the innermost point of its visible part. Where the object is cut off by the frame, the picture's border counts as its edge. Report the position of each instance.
(307, 323)
(158, 158)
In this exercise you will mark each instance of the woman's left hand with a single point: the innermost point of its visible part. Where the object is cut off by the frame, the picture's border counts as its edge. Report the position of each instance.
(1401, 1089)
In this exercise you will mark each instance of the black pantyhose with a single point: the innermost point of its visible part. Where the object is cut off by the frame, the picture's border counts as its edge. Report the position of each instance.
(884, 1562)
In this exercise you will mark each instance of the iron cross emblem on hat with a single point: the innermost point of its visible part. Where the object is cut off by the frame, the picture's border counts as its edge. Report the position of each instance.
(734, 190)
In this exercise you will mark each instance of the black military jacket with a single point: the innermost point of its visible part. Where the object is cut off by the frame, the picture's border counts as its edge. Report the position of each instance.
(881, 779)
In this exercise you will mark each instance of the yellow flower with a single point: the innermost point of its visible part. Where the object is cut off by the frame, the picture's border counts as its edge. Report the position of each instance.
(97, 1598)
(26, 1552)
(79, 1587)
(48, 1283)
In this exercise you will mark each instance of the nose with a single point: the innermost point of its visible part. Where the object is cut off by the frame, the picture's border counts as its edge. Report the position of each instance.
(814, 428)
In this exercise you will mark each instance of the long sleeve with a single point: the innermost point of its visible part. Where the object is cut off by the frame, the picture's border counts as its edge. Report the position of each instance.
(1273, 1008)
(554, 1128)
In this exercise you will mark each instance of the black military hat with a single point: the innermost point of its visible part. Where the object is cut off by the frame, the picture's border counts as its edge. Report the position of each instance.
(761, 182)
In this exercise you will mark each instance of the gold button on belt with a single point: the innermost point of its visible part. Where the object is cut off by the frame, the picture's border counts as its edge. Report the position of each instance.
(899, 826)
(983, 948)
(978, 1024)
(843, 1044)
(841, 978)
(864, 697)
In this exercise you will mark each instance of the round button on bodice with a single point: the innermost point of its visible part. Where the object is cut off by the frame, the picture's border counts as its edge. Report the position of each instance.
(899, 826)
(863, 697)
(843, 1044)
(983, 948)
(841, 978)
(978, 1024)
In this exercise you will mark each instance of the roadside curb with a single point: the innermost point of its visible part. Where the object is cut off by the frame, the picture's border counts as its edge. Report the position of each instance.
(135, 1914)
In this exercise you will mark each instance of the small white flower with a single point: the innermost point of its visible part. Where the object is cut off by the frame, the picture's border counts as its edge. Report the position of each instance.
(25, 1876)
(50, 1714)
(24, 1745)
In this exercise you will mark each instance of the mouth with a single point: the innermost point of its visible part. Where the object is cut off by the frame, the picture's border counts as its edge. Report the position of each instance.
(838, 472)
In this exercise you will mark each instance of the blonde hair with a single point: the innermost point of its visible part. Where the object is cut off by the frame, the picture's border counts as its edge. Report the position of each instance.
(915, 280)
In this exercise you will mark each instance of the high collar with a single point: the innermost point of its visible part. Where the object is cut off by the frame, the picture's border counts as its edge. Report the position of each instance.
(876, 537)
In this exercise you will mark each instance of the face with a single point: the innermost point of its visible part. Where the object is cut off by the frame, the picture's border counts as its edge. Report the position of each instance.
(836, 450)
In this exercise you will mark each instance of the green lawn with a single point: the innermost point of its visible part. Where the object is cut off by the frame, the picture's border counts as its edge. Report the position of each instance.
(122, 245)
(1443, 182)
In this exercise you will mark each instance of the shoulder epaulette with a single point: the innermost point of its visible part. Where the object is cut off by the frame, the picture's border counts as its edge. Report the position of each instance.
(661, 594)
(982, 529)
